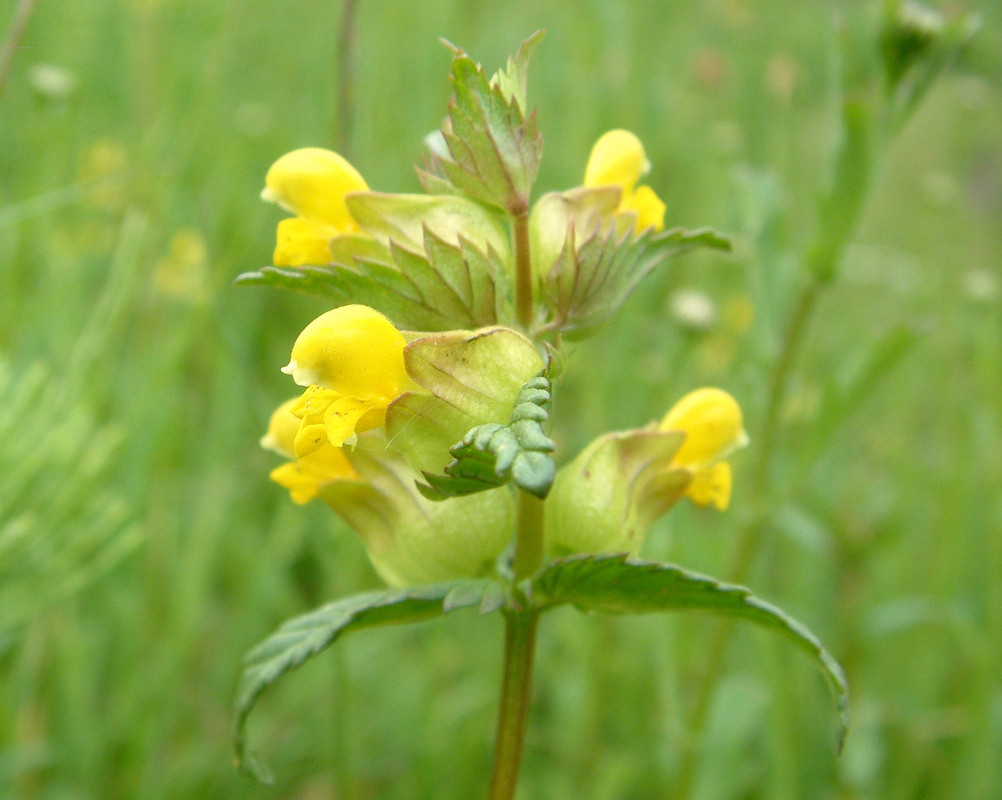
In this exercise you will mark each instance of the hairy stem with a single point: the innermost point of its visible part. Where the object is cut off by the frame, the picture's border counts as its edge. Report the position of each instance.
(520, 641)
(15, 33)
(523, 270)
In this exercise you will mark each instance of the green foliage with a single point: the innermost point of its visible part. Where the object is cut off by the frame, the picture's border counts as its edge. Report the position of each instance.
(416, 277)
(494, 146)
(591, 280)
(471, 379)
(490, 455)
(61, 527)
(614, 584)
(303, 637)
(514, 79)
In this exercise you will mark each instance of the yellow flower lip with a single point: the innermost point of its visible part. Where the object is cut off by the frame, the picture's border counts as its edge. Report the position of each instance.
(282, 429)
(713, 425)
(312, 182)
(353, 350)
(617, 158)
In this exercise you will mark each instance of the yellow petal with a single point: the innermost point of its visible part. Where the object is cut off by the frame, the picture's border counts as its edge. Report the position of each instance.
(352, 350)
(312, 183)
(617, 158)
(712, 485)
(344, 416)
(650, 210)
(282, 430)
(309, 439)
(304, 477)
(713, 426)
(302, 241)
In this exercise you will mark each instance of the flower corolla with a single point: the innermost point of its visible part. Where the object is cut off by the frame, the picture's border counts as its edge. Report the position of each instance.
(312, 184)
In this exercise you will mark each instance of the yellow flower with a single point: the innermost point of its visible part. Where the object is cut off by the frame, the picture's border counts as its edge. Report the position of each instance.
(618, 159)
(352, 361)
(713, 425)
(304, 476)
(312, 184)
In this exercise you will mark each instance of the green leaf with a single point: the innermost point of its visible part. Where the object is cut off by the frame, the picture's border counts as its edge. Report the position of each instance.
(589, 282)
(494, 148)
(514, 81)
(490, 455)
(303, 637)
(615, 584)
(448, 287)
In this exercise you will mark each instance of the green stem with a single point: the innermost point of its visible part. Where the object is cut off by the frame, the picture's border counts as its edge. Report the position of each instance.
(520, 642)
(792, 340)
(529, 536)
(523, 270)
(346, 77)
(839, 213)
(15, 33)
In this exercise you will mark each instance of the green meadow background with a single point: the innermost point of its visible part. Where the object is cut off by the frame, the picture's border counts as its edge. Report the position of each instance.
(143, 549)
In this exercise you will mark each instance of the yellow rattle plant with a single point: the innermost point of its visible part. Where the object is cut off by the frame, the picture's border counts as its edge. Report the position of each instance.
(425, 407)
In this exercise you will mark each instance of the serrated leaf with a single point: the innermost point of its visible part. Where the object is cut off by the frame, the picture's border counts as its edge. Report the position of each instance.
(370, 283)
(494, 148)
(591, 279)
(615, 584)
(442, 288)
(514, 81)
(303, 637)
(490, 455)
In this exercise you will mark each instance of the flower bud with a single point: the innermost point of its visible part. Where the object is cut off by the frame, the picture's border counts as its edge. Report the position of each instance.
(282, 429)
(302, 476)
(713, 425)
(605, 499)
(302, 241)
(351, 359)
(312, 184)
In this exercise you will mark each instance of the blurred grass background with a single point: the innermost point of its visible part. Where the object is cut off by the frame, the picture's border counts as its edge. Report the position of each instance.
(143, 549)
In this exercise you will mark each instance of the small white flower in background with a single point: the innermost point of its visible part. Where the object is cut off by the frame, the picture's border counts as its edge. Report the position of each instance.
(52, 82)
(981, 285)
(693, 309)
